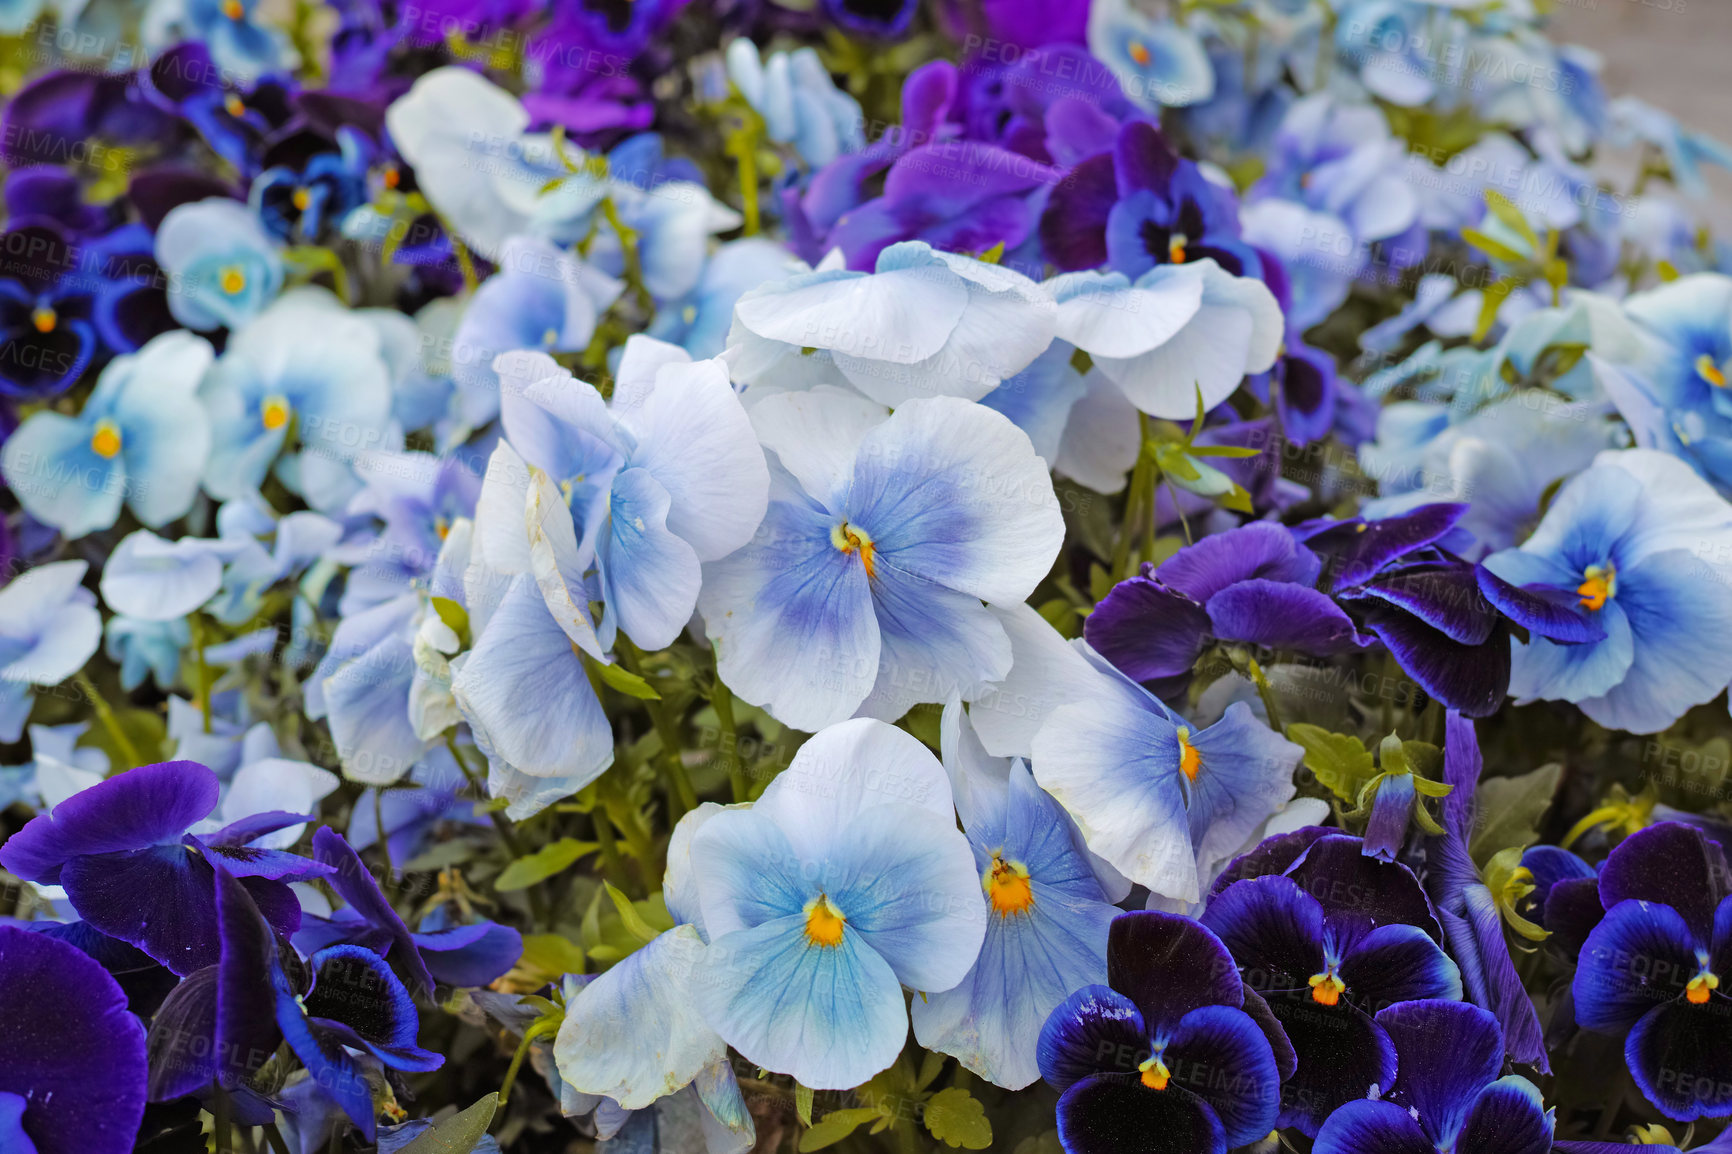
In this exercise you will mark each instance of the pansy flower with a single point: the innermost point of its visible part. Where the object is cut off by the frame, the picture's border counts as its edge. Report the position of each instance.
(844, 882)
(123, 853)
(1328, 941)
(1653, 968)
(862, 590)
(141, 438)
(72, 1058)
(224, 266)
(298, 203)
(49, 627)
(1174, 1053)
(238, 43)
(1158, 62)
(47, 335)
(1447, 1094)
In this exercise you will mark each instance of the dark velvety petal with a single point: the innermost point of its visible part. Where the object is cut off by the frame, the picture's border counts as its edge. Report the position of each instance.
(1509, 1117)
(1142, 159)
(1146, 630)
(1624, 1147)
(161, 900)
(1471, 678)
(252, 862)
(1283, 616)
(1286, 1061)
(1672, 863)
(1444, 595)
(359, 889)
(1503, 993)
(68, 1047)
(146, 983)
(355, 986)
(1572, 910)
(248, 983)
(1261, 549)
(1169, 965)
(1220, 1054)
(1398, 963)
(150, 805)
(182, 1039)
(1361, 548)
(1095, 1030)
(1359, 893)
(250, 829)
(1446, 1053)
(1642, 954)
(1117, 1114)
(338, 1074)
(1342, 1055)
(1073, 228)
(1391, 809)
(1462, 764)
(470, 956)
(1273, 929)
(1544, 610)
(1550, 865)
(1372, 1127)
(1681, 1060)
(408, 1057)
(1273, 855)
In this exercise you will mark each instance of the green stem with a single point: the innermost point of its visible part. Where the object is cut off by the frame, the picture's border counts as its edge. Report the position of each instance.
(1179, 512)
(612, 865)
(1266, 692)
(722, 698)
(274, 1139)
(197, 630)
(105, 715)
(536, 1030)
(680, 791)
(222, 1127)
(384, 842)
(1133, 515)
(471, 280)
(629, 251)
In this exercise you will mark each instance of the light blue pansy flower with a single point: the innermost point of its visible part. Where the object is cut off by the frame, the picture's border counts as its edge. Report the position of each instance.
(542, 298)
(1160, 799)
(49, 627)
(223, 266)
(274, 389)
(800, 104)
(1682, 372)
(1685, 151)
(239, 45)
(1157, 63)
(925, 323)
(154, 579)
(673, 221)
(141, 440)
(1339, 158)
(699, 321)
(145, 649)
(846, 881)
(862, 591)
(1046, 925)
(1640, 548)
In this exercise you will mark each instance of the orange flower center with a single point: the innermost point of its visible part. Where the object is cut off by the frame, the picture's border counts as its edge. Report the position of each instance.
(233, 279)
(1190, 762)
(1710, 372)
(1176, 247)
(274, 414)
(105, 441)
(824, 922)
(1140, 53)
(853, 539)
(1155, 1074)
(1326, 989)
(1006, 885)
(1600, 584)
(44, 318)
(1701, 986)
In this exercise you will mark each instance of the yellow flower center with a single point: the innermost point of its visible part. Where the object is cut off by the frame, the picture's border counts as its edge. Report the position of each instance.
(1176, 247)
(1326, 988)
(1701, 986)
(1006, 885)
(1710, 372)
(1155, 1074)
(235, 107)
(233, 279)
(302, 199)
(105, 441)
(1190, 762)
(44, 318)
(393, 176)
(1600, 585)
(1140, 53)
(550, 337)
(824, 922)
(274, 414)
(853, 539)
(234, 9)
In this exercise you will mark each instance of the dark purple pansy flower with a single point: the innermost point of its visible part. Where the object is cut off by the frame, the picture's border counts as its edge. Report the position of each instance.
(1447, 1093)
(72, 1058)
(298, 201)
(1165, 1057)
(141, 978)
(54, 193)
(1302, 387)
(131, 300)
(1252, 585)
(55, 118)
(883, 18)
(1472, 922)
(226, 1021)
(47, 336)
(1654, 966)
(1565, 900)
(1328, 942)
(131, 869)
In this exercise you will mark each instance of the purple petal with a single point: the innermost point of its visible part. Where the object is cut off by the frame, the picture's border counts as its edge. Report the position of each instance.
(1471, 678)
(1169, 965)
(1544, 610)
(1220, 1054)
(1398, 963)
(1391, 809)
(146, 984)
(245, 861)
(358, 888)
(336, 1073)
(150, 805)
(1143, 159)
(1262, 549)
(1147, 631)
(161, 900)
(1117, 1114)
(1342, 1055)
(1680, 1060)
(1446, 1052)
(1359, 893)
(1360, 548)
(1503, 992)
(1073, 229)
(1095, 1030)
(249, 829)
(1444, 595)
(1461, 768)
(1278, 615)
(68, 1047)
(182, 1058)
(248, 982)
(354, 986)
(1273, 855)
(470, 956)
(1274, 931)
(1572, 910)
(1372, 1125)
(1672, 863)
(1640, 955)
(1286, 1061)
(1550, 865)
(1507, 1118)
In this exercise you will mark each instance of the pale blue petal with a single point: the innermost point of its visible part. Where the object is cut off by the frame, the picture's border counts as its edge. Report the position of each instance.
(59, 479)
(936, 644)
(159, 580)
(650, 577)
(745, 873)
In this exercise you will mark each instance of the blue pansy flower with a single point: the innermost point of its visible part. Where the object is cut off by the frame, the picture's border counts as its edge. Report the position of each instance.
(1652, 969)
(300, 204)
(862, 591)
(237, 42)
(49, 627)
(699, 321)
(1174, 1044)
(47, 335)
(419, 497)
(1629, 570)
(223, 267)
(146, 649)
(1682, 370)
(1158, 63)
(1447, 1093)
(158, 580)
(844, 882)
(141, 439)
(1328, 935)
(72, 1056)
(800, 104)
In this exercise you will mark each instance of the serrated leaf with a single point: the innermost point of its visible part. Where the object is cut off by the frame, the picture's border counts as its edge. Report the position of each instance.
(1510, 811)
(834, 1127)
(543, 863)
(459, 1133)
(803, 1103)
(629, 915)
(956, 1118)
(1341, 763)
(618, 677)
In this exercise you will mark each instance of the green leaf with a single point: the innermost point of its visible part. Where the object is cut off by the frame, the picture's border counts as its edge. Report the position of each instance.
(994, 254)
(543, 863)
(803, 1103)
(834, 1127)
(956, 1118)
(1496, 249)
(454, 615)
(629, 915)
(620, 678)
(459, 1133)
(1238, 452)
(1341, 763)
(1510, 810)
(930, 1067)
(551, 954)
(1505, 210)
(1237, 499)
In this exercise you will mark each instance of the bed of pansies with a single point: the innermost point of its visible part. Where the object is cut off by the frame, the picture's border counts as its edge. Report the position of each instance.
(778, 575)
